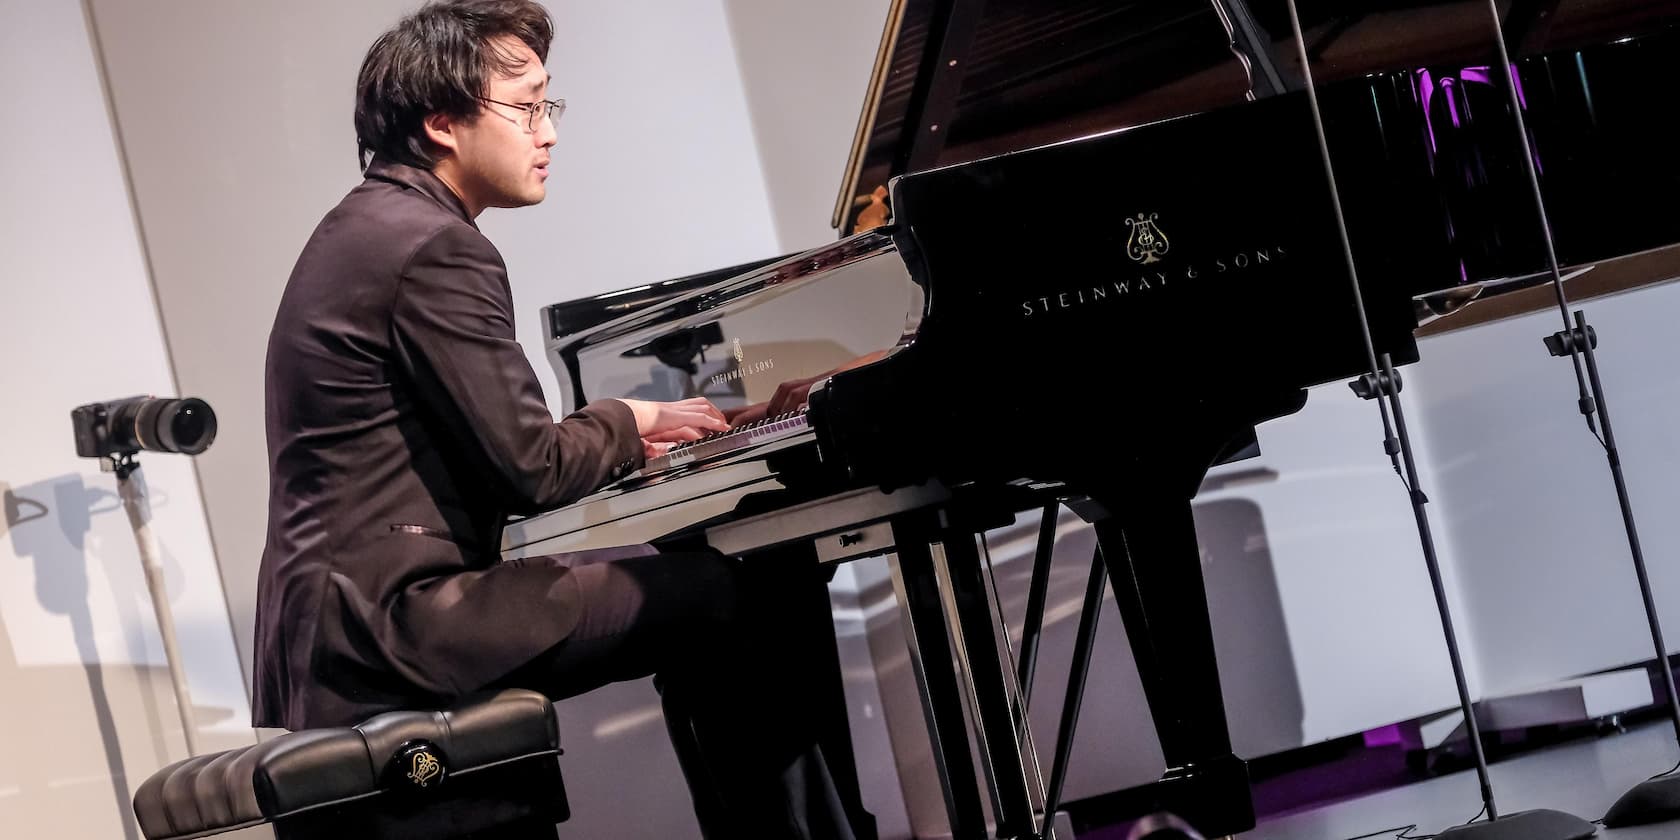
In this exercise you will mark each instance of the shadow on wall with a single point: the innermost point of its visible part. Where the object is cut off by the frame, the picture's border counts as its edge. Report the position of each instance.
(48, 525)
(54, 540)
(1256, 662)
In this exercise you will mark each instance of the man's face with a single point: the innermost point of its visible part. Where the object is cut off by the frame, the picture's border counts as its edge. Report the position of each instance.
(498, 160)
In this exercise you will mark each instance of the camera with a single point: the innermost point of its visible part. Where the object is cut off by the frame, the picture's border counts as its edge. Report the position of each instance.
(123, 427)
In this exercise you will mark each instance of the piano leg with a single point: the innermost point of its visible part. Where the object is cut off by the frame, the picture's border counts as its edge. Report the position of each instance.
(930, 660)
(977, 647)
(1154, 566)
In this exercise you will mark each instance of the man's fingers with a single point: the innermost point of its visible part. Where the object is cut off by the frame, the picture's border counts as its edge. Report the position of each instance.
(712, 420)
(699, 404)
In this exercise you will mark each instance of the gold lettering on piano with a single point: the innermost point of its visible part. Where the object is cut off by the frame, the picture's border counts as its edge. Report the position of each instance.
(1154, 280)
(742, 369)
(1147, 243)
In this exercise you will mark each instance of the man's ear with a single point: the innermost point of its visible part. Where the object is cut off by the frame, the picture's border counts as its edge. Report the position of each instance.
(440, 129)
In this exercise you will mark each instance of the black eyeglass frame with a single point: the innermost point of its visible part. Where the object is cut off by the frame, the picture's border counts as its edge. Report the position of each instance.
(553, 108)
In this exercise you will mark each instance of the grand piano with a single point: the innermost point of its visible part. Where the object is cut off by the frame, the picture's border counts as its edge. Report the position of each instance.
(1119, 215)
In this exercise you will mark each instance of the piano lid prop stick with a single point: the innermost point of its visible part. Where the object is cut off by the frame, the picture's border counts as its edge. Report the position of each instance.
(1656, 799)
(1383, 385)
(1037, 591)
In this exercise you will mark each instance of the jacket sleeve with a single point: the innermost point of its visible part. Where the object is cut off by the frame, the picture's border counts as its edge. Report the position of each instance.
(452, 322)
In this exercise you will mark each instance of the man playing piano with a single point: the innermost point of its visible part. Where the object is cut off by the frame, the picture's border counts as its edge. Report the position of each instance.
(404, 425)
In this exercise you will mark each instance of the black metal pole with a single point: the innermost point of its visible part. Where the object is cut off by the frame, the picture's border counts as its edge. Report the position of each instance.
(1391, 392)
(1615, 459)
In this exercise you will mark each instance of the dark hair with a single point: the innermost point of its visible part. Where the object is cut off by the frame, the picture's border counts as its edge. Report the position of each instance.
(439, 59)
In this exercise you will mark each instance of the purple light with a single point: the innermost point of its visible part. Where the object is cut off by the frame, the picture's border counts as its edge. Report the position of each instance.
(1385, 736)
(1426, 90)
(1482, 74)
(1447, 85)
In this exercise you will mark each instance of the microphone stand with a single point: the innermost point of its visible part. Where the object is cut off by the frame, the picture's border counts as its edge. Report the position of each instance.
(133, 495)
(1657, 799)
(1383, 385)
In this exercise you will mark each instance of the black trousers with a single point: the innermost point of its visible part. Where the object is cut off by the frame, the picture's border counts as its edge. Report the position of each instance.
(743, 655)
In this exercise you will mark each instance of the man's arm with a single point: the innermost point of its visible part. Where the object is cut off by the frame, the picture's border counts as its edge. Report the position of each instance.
(453, 330)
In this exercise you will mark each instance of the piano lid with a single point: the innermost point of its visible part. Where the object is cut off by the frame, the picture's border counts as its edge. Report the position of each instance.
(959, 80)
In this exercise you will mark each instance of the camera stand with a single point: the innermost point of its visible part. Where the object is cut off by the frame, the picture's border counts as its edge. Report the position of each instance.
(1382, 385)
(132, 491)
(1539, 824)
(1658, 798)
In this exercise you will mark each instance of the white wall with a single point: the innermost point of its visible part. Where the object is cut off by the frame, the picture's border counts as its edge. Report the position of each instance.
(86, 707)
(1524, 493)
(805, 66)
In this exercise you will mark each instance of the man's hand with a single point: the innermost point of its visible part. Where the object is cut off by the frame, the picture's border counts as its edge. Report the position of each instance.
(789, 396)
(675, 422)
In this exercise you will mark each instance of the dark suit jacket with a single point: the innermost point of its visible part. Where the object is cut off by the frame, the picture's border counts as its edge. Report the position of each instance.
(404, 425)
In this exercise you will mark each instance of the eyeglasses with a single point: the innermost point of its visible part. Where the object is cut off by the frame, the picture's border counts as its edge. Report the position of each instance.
(534, 111)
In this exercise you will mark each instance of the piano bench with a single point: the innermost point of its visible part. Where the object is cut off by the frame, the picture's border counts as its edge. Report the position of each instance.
(487, 768)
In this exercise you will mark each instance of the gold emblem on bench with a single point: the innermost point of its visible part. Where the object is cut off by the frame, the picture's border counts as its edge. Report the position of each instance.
(425, 767)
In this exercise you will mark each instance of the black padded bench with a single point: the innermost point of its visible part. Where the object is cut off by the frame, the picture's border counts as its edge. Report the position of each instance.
(487, 768)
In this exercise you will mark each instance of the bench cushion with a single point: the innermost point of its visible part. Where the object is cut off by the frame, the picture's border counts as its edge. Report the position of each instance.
(405, 760)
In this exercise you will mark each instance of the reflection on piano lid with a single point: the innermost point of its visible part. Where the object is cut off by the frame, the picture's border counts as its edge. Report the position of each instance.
(734, 338)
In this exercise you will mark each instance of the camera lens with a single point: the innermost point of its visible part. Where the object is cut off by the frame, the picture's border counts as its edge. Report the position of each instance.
(184, 425)
(190, 428)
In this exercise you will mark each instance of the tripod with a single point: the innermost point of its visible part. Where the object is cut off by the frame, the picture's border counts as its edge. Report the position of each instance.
(132, 491)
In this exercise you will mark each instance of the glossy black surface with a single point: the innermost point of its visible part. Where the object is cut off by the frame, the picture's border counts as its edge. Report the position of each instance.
(736, 339)
(1064, 310)
(1411, 91)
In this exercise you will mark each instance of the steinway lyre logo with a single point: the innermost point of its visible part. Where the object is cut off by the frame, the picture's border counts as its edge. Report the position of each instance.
(424, 768)
(741, 369)
(1147, 243)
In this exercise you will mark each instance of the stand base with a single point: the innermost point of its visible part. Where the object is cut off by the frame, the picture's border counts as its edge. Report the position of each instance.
(1539, 824)
(1655, 800)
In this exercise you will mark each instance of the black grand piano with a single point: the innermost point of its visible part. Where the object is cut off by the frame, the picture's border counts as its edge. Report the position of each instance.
(1119, 215)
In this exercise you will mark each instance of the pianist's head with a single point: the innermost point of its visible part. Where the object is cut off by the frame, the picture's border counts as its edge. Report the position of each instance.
(459, 88)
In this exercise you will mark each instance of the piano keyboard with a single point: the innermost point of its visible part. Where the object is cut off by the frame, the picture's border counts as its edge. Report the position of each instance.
(719, 443)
